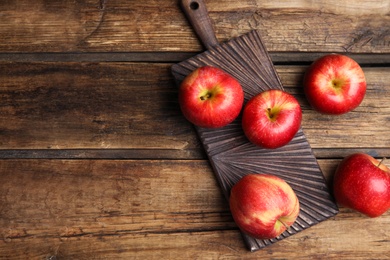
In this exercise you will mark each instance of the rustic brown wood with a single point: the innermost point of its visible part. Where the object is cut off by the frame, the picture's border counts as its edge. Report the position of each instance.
(197, 14)
(151, 209)
(366, 125)
(231, 154)
(76, 105)
(71, 105)
(318, 244)
(360, 26)
(96, 160)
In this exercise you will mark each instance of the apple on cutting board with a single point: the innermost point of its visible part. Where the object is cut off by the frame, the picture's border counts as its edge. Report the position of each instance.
(334, 84)
(362, 183)
(271, 119)
(263, 205)
(210, 98)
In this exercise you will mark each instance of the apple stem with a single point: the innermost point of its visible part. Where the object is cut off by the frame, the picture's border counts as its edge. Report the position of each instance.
(381, 161)
(284, 224)
(207, 96)
(270, 113)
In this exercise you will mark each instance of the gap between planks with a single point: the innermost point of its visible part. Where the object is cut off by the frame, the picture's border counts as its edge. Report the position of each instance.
(364, 59)
(162, 154)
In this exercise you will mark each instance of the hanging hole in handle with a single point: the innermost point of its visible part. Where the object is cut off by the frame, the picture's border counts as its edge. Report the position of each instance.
(194, 5)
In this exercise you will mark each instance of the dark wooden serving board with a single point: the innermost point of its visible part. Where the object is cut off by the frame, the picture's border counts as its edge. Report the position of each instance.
(231, 155)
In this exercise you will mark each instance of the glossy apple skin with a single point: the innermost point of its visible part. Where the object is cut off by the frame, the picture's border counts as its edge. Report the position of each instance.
(263, 205)
(271, 119)
(361, 185)
(211, 98)
(334, 84)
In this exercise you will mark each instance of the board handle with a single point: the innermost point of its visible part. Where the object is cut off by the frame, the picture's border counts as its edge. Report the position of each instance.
(198, 16)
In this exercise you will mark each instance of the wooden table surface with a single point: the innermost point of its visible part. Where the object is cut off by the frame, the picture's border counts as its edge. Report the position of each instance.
(97, 161)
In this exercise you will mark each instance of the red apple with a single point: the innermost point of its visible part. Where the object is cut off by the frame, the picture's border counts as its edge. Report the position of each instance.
(362, 183)
(263, 206)
(211, 98)
(334, 84)
(271, 119)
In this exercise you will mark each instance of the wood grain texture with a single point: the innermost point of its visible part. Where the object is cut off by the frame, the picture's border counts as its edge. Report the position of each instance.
(113, 171)
(215, 244)
(198, 16)
(367, 124)
(69, 105)
(151, 209)
(75, 105)
(231, 154)
(155, 26)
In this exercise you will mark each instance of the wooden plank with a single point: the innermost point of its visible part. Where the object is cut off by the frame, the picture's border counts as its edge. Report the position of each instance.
(156, 26)
(58, 196)
(316, 243)
(130, 107)
(151, 209)
(94, 105)
(228, 150)
(362, 128)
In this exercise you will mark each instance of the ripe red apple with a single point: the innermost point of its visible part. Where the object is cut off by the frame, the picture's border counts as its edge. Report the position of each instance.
(263, 206)
(271, 119)
(211, 98)
(334, 84)
(362, 183)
